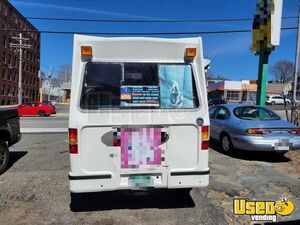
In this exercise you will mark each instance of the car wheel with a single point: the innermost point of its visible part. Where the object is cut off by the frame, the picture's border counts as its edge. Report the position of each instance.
(4, 156)
(226, 143)
(273, 103)
(41, 113)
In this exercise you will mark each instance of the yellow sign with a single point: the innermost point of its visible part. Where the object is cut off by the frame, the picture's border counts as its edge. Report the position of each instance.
(263, 210)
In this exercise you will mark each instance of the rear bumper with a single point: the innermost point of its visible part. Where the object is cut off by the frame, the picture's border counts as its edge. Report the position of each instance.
(253, 143)
(111, 182)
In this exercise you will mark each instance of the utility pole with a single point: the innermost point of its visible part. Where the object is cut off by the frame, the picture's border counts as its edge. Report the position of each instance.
(50, 77)
(66, 76)
(40, 86)
(296, 67)
(20, 46)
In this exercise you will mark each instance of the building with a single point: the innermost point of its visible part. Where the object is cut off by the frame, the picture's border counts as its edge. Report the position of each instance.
(50, 91)
(243, 91)
(66, 92)
(10, 19)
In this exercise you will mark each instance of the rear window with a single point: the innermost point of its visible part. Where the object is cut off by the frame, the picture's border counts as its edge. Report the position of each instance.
(255, 113)
(138, 85)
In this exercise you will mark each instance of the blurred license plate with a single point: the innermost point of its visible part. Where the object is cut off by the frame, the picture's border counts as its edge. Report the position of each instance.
(140, 181)
(281, 145)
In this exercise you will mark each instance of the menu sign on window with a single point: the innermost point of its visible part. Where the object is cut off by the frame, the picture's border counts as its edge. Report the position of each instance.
(140, 96)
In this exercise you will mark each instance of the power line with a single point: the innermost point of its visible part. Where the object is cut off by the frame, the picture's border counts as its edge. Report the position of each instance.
(147, 21)
(138, 33)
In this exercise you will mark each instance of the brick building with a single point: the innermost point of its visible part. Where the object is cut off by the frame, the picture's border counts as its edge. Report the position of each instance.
(11, 18)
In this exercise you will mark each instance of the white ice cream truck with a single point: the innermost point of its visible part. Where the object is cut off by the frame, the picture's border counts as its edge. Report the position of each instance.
(138, 114)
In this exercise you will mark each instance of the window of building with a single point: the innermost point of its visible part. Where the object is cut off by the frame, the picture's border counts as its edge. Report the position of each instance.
(3, 73)
(14, 75)
(13, 61)
(13, 91)
(8, 59)
(5, 9)
(8, 91)
(3, 57)
(4, 24)
(4, 40)
(8, 43)
(8, 77)
(2, 91)
(233, 95)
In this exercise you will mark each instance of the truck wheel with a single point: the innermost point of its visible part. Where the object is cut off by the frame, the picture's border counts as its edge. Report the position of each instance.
(41, 113)
(273, 103)
(4, 156)
(226, 144)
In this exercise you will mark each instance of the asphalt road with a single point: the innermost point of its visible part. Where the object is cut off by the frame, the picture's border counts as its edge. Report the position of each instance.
(44, 122)
(57, 123)
(34, 190)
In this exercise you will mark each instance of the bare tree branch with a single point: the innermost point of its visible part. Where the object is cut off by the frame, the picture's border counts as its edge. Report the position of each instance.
(283, 71)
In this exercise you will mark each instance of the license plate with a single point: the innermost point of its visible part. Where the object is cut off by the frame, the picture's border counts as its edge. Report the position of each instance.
(282, 145)
(138, 181)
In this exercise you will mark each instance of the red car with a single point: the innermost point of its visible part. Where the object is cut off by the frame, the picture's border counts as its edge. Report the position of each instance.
(35, 109)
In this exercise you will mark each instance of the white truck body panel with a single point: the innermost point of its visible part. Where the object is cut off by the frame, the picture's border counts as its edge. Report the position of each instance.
(97, 166)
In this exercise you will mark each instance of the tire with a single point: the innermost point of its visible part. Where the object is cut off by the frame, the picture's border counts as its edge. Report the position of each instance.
(226, 144)
(41, 113)
(4, 156)
(273, 103)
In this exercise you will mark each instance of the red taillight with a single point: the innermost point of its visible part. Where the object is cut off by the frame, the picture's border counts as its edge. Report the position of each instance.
(117, 137)
(73, 149)
(204, 137)
(295, 131)
(205, 145)
(257, 131)
(73, 141)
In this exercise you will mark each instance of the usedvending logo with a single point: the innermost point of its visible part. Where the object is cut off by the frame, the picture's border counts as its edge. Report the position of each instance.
(263, 210)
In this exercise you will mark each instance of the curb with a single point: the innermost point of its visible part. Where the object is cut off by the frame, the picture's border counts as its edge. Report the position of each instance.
(43, 130)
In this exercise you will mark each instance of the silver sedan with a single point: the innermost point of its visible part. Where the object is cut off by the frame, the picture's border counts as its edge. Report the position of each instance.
(251, 127)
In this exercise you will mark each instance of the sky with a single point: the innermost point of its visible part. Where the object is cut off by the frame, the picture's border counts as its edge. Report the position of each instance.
(229, 53)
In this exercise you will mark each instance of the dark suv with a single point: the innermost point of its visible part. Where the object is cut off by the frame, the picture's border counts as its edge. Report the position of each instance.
(9, 134)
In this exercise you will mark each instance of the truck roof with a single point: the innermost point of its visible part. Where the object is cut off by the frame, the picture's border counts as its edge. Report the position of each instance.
(138, 48)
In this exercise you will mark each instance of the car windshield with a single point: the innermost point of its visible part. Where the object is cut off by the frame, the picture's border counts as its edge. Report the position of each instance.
(255, 113)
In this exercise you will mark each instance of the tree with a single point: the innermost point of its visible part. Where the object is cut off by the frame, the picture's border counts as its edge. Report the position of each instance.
(283, 71)
(65, 72)
(64, 75)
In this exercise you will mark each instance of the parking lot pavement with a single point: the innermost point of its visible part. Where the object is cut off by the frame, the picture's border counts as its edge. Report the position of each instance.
(34, 190)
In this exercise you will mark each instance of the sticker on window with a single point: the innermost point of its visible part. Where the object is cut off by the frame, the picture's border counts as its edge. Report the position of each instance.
(176, 89)
(140, 96)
